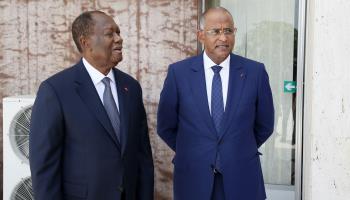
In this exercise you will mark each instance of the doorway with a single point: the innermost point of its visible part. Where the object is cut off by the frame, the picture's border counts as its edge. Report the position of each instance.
(271, 32)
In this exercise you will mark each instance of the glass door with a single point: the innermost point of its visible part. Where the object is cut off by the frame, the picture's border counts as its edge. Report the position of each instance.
(268, 32)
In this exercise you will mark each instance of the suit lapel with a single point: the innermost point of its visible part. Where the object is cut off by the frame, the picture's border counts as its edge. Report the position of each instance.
(198, 86)
(88, 94)
(123, 99)
(236, 83)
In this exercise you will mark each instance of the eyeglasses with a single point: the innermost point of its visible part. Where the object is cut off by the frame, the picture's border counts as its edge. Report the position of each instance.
(218, 31)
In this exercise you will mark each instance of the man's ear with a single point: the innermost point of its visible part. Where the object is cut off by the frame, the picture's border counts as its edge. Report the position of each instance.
(200, 36)
(84, 42)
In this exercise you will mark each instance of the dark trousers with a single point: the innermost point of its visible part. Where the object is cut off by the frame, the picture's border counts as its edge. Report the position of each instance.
(123, 196)
(218, 188)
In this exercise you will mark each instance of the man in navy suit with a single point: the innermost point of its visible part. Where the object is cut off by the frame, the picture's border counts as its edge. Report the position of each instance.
(89, 136)
(215, 111)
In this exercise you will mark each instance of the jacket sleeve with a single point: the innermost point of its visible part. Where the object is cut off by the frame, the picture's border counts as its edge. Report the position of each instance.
(145, 187)
(167, 117)
(264, 120)
(45, 144)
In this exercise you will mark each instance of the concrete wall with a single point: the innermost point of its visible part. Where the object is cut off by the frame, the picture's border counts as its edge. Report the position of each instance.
(35, 42)
(327, 101)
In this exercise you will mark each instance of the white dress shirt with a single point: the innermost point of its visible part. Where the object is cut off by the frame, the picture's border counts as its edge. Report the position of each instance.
(209, 74)
(96, 77)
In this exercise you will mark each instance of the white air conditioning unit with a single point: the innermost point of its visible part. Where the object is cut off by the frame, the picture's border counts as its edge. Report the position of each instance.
(16, 120)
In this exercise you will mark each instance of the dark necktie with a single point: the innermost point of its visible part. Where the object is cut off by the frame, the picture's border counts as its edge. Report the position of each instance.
(217, 101)
(111, 107)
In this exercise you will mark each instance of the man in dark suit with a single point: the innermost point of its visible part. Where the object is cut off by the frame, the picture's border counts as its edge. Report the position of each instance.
(215, 111)
(89, 136)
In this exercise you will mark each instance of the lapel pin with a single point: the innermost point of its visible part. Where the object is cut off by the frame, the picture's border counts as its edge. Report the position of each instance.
(242, 75)
(126, 89)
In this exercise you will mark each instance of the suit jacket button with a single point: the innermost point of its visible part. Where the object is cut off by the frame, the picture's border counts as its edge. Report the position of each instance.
(121, 189)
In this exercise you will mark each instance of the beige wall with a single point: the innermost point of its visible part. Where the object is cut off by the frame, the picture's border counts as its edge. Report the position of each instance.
(327, 101)
(35, 42)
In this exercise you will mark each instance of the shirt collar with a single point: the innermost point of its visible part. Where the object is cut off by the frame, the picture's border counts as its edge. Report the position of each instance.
(208, 63)
(97, 76)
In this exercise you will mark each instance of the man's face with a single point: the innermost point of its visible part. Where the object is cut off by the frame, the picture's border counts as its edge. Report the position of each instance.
(104, 45)
(218, 46)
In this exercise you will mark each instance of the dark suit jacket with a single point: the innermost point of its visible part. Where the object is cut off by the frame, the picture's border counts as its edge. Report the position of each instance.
(74, 152)
(185, 124)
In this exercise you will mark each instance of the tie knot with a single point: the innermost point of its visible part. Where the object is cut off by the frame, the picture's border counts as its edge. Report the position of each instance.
(216, 69)
(105, 81)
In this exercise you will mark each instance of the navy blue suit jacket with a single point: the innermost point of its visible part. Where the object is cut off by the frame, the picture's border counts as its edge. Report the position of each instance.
(185, 124)
(74, 152)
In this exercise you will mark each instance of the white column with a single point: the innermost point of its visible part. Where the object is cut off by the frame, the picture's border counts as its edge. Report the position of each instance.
(327, 101)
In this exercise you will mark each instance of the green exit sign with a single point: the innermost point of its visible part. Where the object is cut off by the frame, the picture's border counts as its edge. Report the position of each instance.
(290, 86)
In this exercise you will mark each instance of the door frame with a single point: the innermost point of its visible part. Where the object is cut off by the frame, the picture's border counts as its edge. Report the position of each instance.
(299, 112)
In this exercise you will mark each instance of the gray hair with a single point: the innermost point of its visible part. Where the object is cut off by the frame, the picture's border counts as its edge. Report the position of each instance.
(83, 26)
(202, 18)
